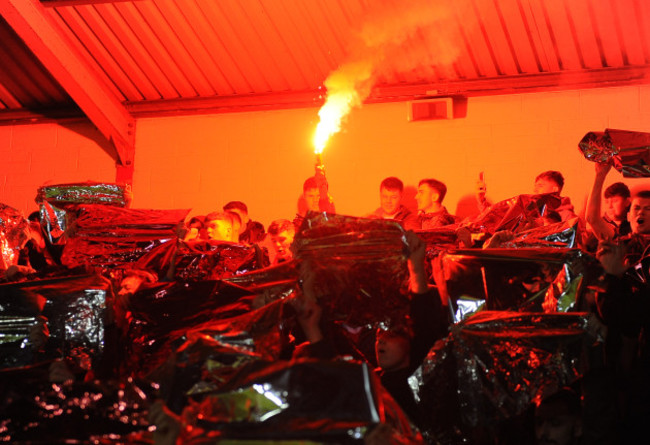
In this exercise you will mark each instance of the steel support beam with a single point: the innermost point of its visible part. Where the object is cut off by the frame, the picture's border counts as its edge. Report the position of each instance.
(34, 24)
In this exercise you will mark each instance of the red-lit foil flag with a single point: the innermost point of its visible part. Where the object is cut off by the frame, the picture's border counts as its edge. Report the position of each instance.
(628, 150)
(14, 232)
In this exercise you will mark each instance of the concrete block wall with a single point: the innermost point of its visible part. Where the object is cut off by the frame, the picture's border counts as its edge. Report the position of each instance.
(48, 153)
(262, 158)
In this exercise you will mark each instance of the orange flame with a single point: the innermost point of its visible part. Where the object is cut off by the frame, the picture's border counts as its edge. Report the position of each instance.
(346, 88)
(387, 37)
(331, 114)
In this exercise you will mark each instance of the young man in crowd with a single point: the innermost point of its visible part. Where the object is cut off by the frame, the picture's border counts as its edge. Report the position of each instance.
(315, 195)
(311, 198)
(429, 197)
(219, 226)
(249, 232)
(281, 233)
(390, 199)
(236, 226)
(613, 223)
(399, 349)
(624, 306)
(552, 181)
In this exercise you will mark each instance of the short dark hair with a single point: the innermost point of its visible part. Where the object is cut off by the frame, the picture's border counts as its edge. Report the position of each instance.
(617, 189)
(644, 194)
(392, 183)
(237, 205)
(234, 216)
(280, 225)
(438, 186)
(196, 221)
(310, 183)
(218, 216)
(553, 176)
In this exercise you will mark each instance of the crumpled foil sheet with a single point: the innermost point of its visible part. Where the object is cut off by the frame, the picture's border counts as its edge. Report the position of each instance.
(359, 266)
(76, 313)
(109, 237)
(15, 343)
(203, 365)
(525, 279)
(494, 365)
(439, 239)
(36, 412)
(164, 314)
(517, 214)
(201, 260)
(257, 331)
(57, 204)
(14, 230)
(268, 277)
(564, 234)
(82, 193)
(322, 401)
(629, 151)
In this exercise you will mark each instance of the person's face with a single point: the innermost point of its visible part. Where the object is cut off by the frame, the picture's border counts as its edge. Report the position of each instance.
(129, 285)
(312, 196)
(390, 200)
(219, 230)
(392, 351)
(640, 215)
(554, 426)
(425, 197)
(545, 186)
(616, 207)
(282, 243)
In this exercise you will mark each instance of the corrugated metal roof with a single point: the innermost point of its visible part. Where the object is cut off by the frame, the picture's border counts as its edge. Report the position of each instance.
(24, 82)
(177, 56)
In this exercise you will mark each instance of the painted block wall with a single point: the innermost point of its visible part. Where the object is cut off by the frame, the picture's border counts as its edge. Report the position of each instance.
(262, 158)
(43, 154)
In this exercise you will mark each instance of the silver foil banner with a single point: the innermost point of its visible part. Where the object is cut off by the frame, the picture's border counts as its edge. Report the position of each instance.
(321, 401)
(58, 202)
(629, 151)
(493, 366)
(76, 312)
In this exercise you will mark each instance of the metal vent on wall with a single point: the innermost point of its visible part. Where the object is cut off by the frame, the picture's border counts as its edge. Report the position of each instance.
(437, 108)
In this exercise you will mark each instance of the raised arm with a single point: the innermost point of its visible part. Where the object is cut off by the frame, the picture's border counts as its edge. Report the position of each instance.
(594, 217)
(429, 317)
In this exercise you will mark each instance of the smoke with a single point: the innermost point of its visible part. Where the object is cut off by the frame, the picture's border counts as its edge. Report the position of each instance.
(395, 38)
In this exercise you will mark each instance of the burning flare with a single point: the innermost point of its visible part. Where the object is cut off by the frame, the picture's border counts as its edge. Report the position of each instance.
(346, 88)
(411, 34)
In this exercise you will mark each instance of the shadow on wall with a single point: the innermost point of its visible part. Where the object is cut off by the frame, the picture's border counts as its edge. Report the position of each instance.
(466, 207)
(89, 131)
(408, 198)
(301, 205)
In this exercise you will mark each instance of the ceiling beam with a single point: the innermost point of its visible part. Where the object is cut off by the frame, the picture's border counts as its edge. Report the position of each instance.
(55, 3)
(596, 78)
(35, 26)
(518, 84)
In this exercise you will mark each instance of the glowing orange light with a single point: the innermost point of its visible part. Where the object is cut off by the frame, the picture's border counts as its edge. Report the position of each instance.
(346, 88)
(331, 114)
(382, 40)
